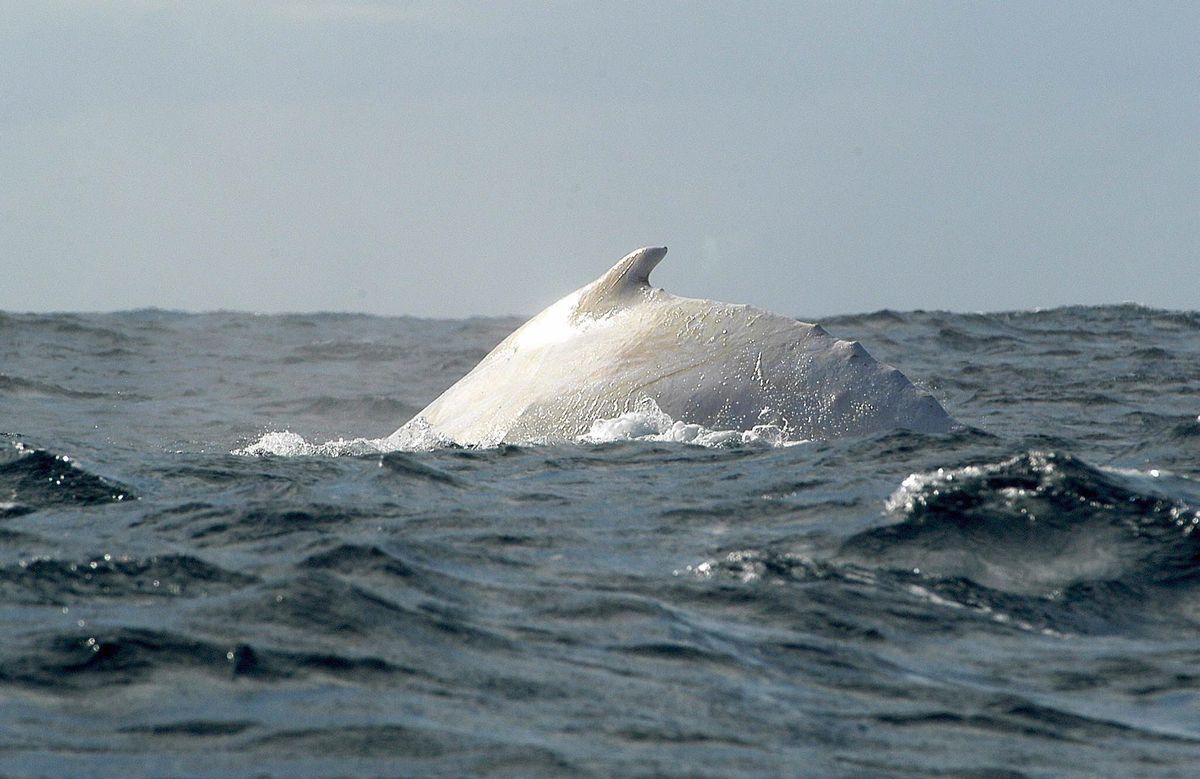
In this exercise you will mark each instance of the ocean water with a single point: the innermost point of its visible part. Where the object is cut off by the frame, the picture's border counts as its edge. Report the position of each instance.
(211, 567)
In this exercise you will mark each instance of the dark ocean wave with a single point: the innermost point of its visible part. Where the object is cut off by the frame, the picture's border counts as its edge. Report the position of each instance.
(261, 522)
(357, 407)
(1044, 537)
(117, 657)
(348, 351)
(49, 581)
(423, 750)
(1050, 516)
(1175, 428)
(37, 479)
(1013, 717)
(71, 329)
(390, 571)
(1041, 542)
(264, 478)
(17, 386)
(406, 468)
(324, 604)
(192, 729)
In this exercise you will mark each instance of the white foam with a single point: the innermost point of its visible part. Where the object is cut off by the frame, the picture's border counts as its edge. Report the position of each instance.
(914, 490)
(288, 444)
(647, 422)
(413, 437)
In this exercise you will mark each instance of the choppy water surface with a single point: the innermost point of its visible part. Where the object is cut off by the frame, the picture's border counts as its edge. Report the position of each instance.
(1020, 598)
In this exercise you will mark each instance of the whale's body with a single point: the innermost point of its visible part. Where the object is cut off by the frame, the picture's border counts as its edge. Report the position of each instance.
(611, 345)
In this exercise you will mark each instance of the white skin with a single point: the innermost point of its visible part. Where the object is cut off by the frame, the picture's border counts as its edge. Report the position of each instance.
(604, 348)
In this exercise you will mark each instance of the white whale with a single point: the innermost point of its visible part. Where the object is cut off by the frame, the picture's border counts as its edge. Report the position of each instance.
(609, 346)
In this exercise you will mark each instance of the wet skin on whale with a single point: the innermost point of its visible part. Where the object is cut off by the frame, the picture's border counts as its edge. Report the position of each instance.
(611, 345)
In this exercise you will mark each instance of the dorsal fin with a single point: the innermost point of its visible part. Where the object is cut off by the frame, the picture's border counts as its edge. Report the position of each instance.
(627, 277)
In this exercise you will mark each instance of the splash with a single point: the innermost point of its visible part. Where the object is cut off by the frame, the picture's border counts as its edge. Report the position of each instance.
(417, 437)
(285, 443)
(647, 422)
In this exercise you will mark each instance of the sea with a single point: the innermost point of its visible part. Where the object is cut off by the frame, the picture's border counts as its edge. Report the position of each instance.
(214, 562)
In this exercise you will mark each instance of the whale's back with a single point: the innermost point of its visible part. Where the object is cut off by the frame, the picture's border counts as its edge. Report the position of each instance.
(592, 356)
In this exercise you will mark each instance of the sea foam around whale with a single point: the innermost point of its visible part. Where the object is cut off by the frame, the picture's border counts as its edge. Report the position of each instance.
(646, 422)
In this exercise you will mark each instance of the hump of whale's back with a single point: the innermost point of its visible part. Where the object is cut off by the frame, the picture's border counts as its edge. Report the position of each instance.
(603, 349)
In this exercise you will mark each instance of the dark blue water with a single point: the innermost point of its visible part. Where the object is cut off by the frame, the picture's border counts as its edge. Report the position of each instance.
(1019, 598)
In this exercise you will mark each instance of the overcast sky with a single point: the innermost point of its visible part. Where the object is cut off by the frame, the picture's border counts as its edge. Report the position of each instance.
(443, 159)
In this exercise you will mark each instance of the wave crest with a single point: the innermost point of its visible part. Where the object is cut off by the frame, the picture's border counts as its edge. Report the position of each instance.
(1038, 523)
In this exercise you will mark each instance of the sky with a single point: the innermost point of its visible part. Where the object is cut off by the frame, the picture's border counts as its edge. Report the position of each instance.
(455, 159)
